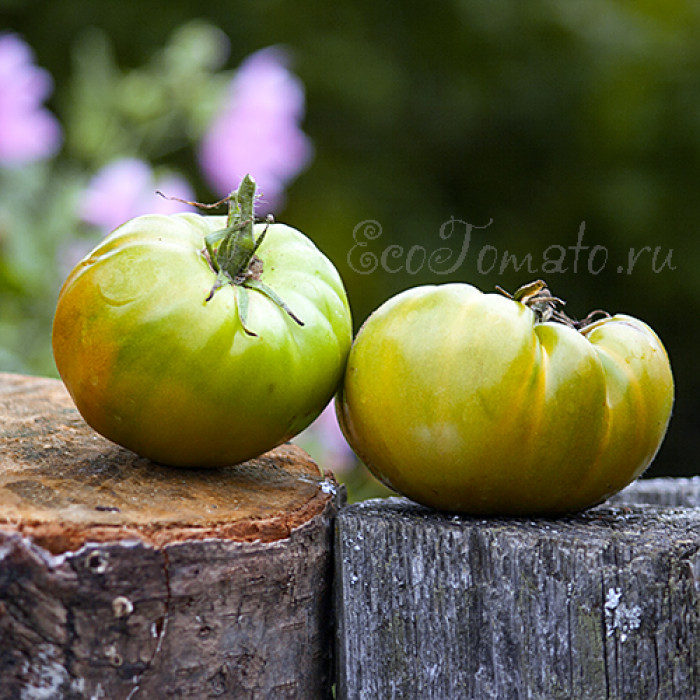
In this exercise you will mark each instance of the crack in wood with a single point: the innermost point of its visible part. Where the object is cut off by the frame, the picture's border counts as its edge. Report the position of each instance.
(161, 629)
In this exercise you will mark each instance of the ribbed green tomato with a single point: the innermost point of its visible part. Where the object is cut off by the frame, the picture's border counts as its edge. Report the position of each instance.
(157, 363)
(468, 402)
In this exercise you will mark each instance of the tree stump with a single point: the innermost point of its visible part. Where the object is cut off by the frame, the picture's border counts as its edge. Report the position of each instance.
(120, 578)
(604, 604)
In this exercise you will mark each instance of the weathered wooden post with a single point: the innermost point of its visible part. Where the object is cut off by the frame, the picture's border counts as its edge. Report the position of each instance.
(605, 604)
(123, 579)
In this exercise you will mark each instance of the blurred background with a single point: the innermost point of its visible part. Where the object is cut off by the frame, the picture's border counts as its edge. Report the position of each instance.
(522, 129)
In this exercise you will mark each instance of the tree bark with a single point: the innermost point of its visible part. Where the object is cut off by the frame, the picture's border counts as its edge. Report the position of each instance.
(604, 604)
(120, 578)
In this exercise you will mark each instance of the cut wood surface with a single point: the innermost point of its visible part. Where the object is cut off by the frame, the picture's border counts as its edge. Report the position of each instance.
(121, 578)
(605, 604)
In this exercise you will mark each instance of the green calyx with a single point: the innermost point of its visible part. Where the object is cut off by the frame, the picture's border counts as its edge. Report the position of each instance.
(232, 252)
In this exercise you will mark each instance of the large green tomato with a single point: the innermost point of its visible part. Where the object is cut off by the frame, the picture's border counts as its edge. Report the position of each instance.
(477, 403)
(160, 357)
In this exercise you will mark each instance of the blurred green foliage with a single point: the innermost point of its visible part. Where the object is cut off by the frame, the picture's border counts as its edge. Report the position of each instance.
(535, 116)
(154, 110)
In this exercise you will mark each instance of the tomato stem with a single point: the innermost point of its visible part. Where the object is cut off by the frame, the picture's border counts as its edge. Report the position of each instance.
(536, 296)
(236, 247)
(232, 252)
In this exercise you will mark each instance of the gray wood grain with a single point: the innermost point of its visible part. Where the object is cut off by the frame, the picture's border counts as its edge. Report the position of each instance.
(661, 492)
(605, 604)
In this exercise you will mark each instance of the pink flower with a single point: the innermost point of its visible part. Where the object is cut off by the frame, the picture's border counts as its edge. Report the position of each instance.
(28, 131)
(325, 442)
(127, 188)
(257, 131)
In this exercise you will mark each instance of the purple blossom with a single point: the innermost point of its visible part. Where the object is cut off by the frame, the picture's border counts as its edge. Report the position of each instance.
(126, 188)
(257, 131)
(325, 442)
(28, 131)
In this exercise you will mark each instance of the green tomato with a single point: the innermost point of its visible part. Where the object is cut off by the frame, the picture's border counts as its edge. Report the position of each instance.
(158, 357)
(477, 403)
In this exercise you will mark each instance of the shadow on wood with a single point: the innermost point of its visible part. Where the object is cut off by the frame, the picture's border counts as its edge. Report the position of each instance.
(605, 604)
(120, 578)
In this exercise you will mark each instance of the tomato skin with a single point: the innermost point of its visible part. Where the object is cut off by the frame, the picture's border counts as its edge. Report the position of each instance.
(462, 402)
(154, 367)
